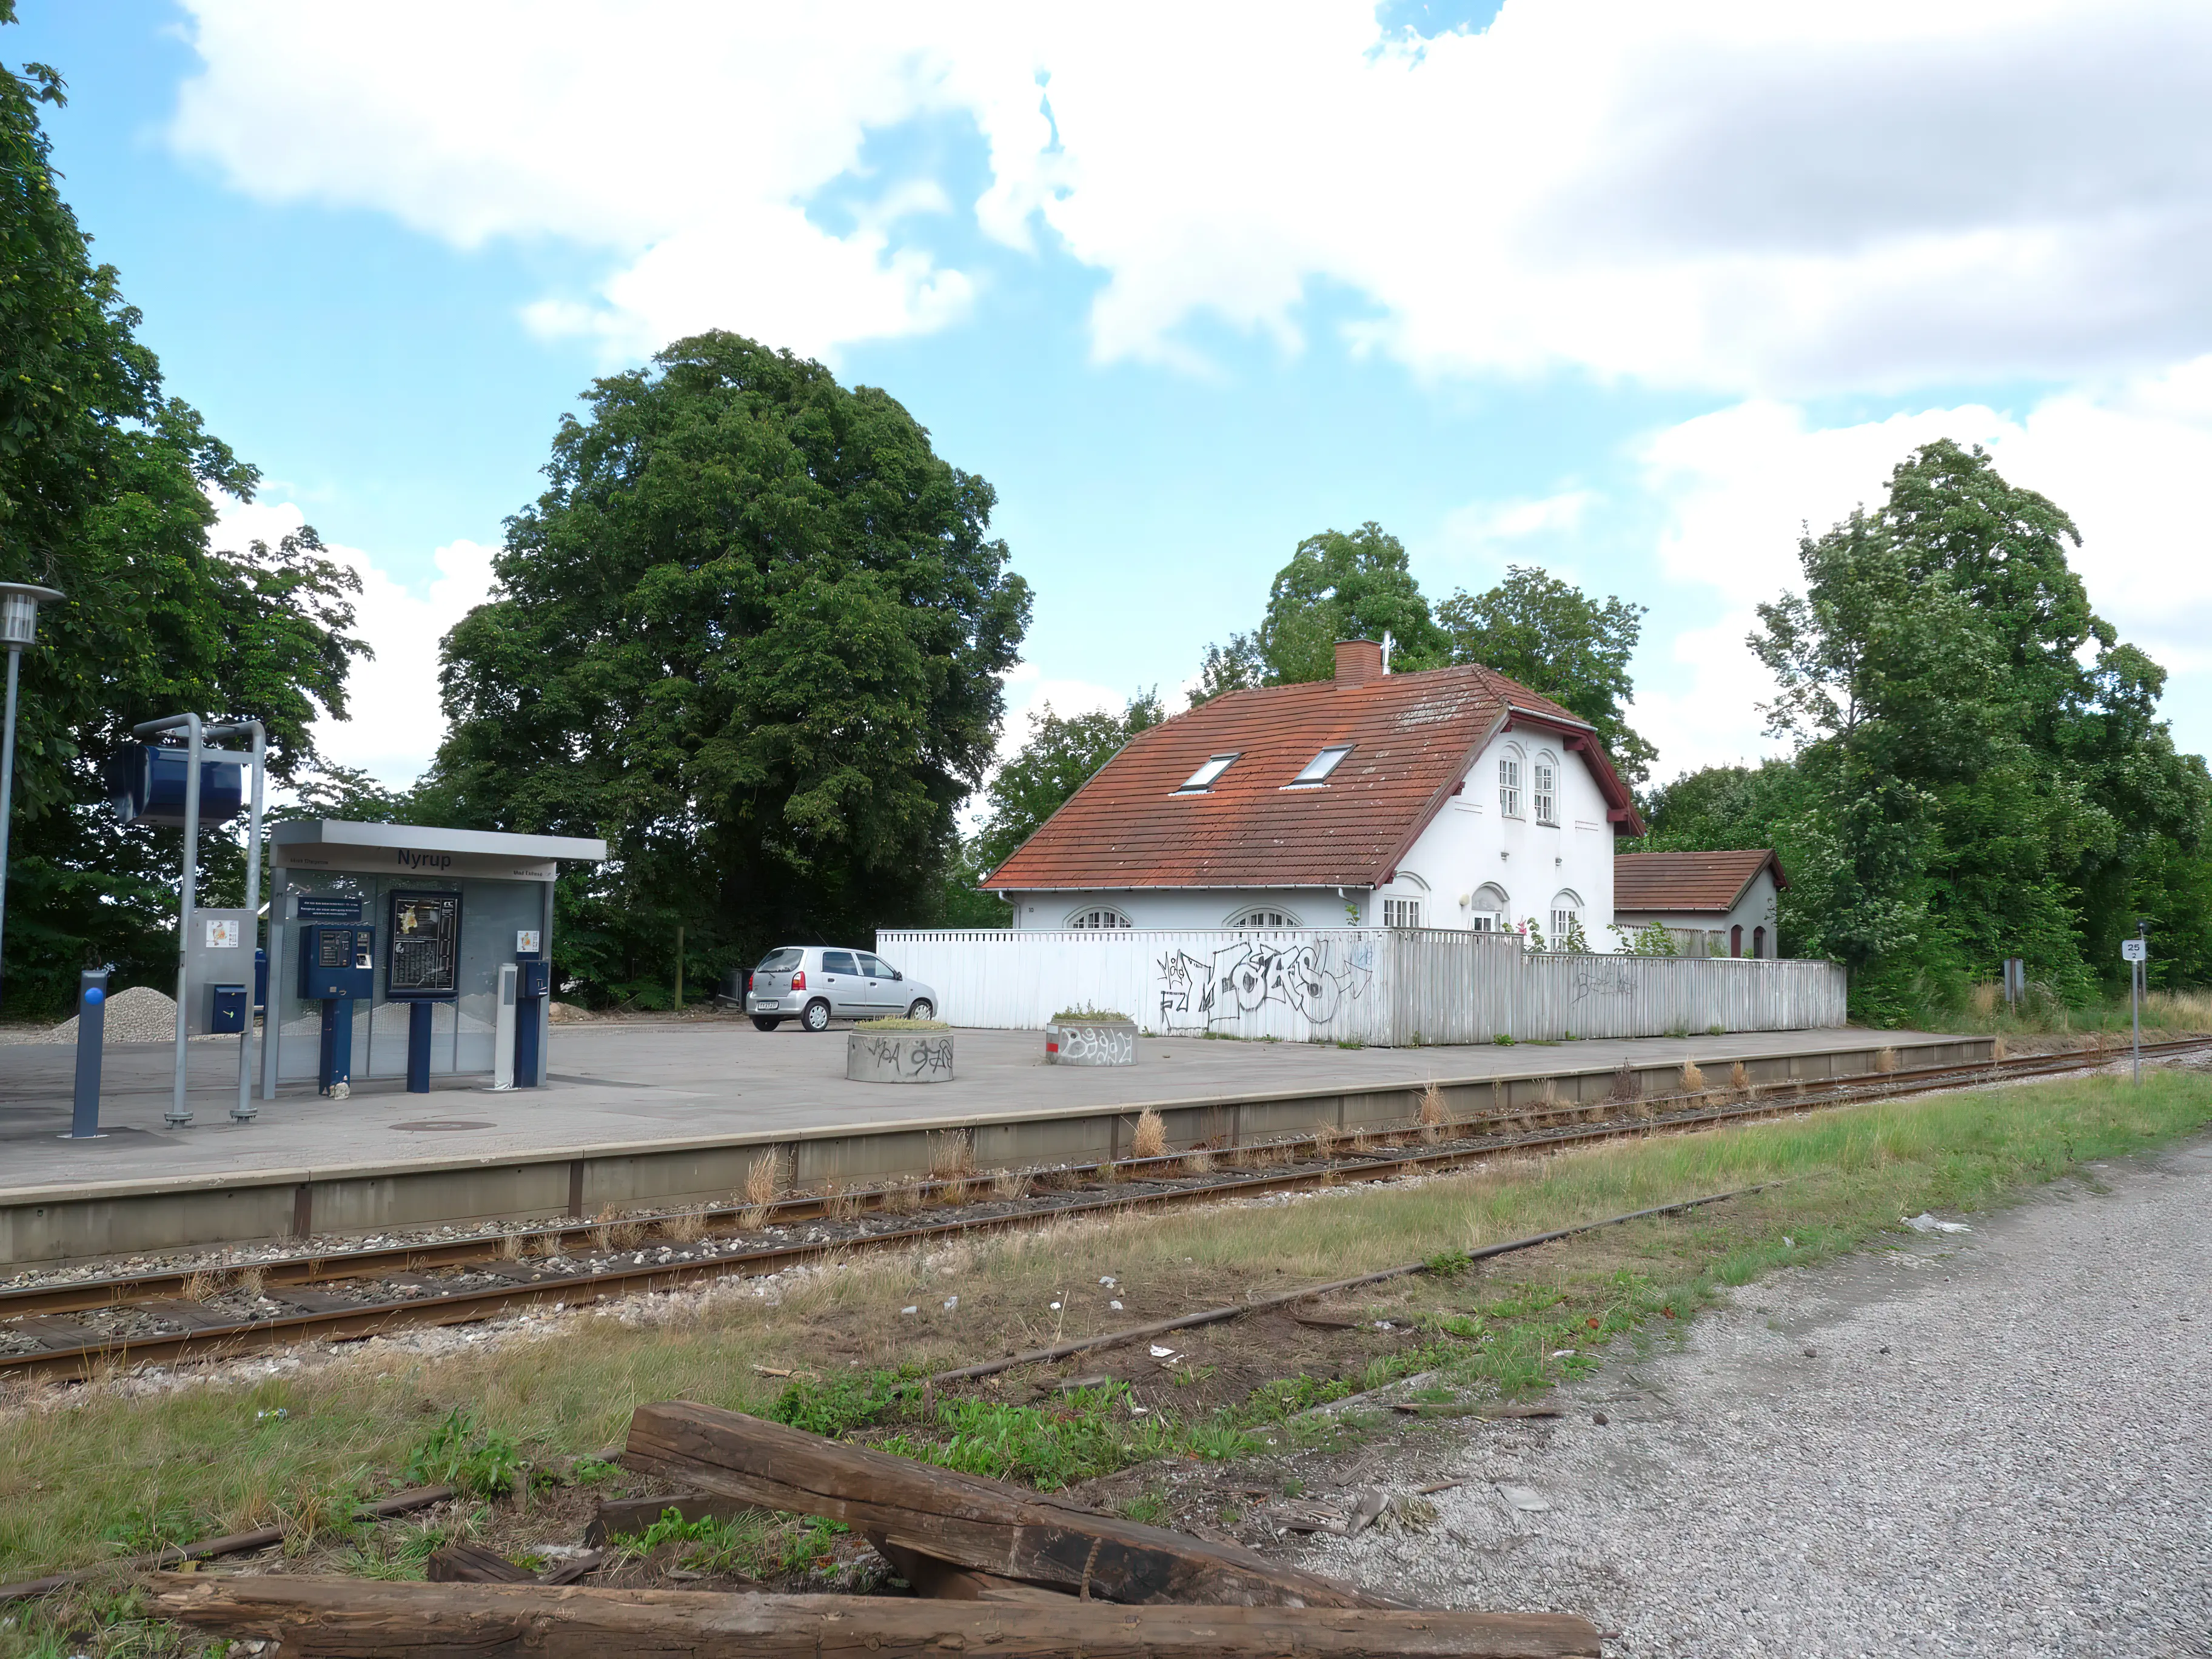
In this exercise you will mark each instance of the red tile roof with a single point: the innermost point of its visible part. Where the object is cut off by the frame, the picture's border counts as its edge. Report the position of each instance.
(1662, 883)
(1413, 737)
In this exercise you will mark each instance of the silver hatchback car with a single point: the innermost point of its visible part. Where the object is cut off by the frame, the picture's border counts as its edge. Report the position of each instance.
(815, 984)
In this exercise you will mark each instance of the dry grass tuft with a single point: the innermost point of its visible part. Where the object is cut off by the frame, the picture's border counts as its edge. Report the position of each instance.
(903, 1197)
(951, 1155)
(1011, 1184)
(546, 1244)
(1324, 1140)
(686, 1225)
(1363, 1141)
(1739, 1077)
(510, 1247)
(1997, 1049)
(1198, 1162)
(1983, 999)
(1433, 1114)
(252, 1279)
(763, 1179)
(1885, 1061)
(1624, 1084)
(203, 1286)
(612, 1232)
(1149, 1139)
(1693, 1078)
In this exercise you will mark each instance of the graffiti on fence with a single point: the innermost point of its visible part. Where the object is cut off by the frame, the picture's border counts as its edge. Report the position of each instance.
(1599, 976)
(1315, 980)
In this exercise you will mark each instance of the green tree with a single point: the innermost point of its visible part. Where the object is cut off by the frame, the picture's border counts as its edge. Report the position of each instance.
(104, 494)
(1968, 727)
(1061, 755)
(1336, 586)
(1555, 639)
(1346, 588)
(752, 633)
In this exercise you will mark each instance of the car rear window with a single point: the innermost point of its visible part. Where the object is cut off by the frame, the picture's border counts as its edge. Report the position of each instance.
(776, 962)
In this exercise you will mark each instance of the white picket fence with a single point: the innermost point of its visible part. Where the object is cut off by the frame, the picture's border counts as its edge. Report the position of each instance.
(1385, 987)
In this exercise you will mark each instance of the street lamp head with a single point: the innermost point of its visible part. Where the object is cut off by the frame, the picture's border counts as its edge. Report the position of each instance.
(19, 611)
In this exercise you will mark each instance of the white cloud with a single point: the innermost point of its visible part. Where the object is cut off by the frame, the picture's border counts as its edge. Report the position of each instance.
(395, 722)
(2126, 461)
(1720, 193)
(1482, 524)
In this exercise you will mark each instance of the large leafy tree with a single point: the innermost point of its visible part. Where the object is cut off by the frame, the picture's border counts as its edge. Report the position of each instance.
(1986, 773)
(105, 486)
(1336, 586)
(751, 632)
(1555, 639)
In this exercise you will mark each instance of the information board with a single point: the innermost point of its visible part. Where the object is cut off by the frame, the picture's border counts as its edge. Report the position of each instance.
(327, 907)
(425, 956)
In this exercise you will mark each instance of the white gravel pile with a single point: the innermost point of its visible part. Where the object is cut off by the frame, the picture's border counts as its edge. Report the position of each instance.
(141, 1014)
(1991, 1445)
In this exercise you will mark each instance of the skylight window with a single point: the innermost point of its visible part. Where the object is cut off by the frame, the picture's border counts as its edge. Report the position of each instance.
(1202, 780)
(1319, 767)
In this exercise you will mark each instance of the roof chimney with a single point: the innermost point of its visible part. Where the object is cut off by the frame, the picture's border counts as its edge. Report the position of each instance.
(1358, 662)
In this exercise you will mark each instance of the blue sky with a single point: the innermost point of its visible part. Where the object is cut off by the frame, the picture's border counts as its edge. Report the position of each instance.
(1625, 291)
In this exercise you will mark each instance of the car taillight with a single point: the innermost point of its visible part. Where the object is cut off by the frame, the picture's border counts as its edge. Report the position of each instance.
(798, 980)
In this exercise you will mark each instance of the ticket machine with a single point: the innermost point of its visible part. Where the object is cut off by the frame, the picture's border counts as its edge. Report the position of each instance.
(338, 966)
(533, 983)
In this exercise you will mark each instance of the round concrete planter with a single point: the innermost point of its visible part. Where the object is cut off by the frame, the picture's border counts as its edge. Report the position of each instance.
(1090, 1043)
(898, 1056)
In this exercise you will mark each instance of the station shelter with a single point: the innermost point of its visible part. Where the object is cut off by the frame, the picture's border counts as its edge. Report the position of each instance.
(436, 914)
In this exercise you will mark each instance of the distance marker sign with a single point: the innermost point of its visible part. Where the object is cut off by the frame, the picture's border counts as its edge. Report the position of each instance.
(2134, 949)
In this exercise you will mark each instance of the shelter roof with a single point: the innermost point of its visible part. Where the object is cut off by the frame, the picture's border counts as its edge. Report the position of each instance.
(1667, 882)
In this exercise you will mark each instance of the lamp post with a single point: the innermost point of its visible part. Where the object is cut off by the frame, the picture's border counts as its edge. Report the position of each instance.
(19, 627)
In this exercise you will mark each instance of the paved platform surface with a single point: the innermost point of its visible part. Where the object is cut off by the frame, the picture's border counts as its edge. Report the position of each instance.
(641, 1083)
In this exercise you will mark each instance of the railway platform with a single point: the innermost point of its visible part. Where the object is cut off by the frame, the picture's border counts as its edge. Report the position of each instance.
(645, 1112)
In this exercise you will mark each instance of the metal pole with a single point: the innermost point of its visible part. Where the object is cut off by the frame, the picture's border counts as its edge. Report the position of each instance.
(243, 1112)
(7, 790)
(272, 1023)
(179, 1114)
(2135, 1013)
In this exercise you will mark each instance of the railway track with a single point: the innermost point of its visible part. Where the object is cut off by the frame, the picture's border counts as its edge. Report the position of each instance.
(85, 1327)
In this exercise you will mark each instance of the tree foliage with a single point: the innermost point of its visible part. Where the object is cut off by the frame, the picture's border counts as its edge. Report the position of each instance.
(751, 633)
(1555, 639)
(1059, 756)
(104, 494)
(1979, 770)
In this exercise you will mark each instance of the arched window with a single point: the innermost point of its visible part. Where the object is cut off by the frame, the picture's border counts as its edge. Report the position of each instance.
(1736, 941)
(1566, 919)
(1509, 783)
(1099, 915)
(1758, 942)
(1264, 915)
(1489, 908)
(1544, 788)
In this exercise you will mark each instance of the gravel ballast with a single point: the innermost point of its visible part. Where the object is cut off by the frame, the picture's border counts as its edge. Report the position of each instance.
(1993, 1444)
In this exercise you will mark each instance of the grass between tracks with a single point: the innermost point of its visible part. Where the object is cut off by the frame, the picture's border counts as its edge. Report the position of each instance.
(90, 1473)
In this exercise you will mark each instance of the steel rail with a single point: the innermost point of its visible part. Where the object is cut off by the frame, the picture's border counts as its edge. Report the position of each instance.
(585, 1286)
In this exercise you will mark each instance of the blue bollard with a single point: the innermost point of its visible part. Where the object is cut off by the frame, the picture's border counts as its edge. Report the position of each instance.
(91, 1030)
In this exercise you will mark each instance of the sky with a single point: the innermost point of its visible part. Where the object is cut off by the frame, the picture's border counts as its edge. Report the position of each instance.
(1633, 292)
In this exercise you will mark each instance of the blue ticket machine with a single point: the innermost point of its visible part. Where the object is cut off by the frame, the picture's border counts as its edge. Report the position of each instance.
(533, 983)
(338, 966)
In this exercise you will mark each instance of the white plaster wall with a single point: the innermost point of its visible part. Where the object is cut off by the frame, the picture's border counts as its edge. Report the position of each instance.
(1471, 844)
(1195, 907)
